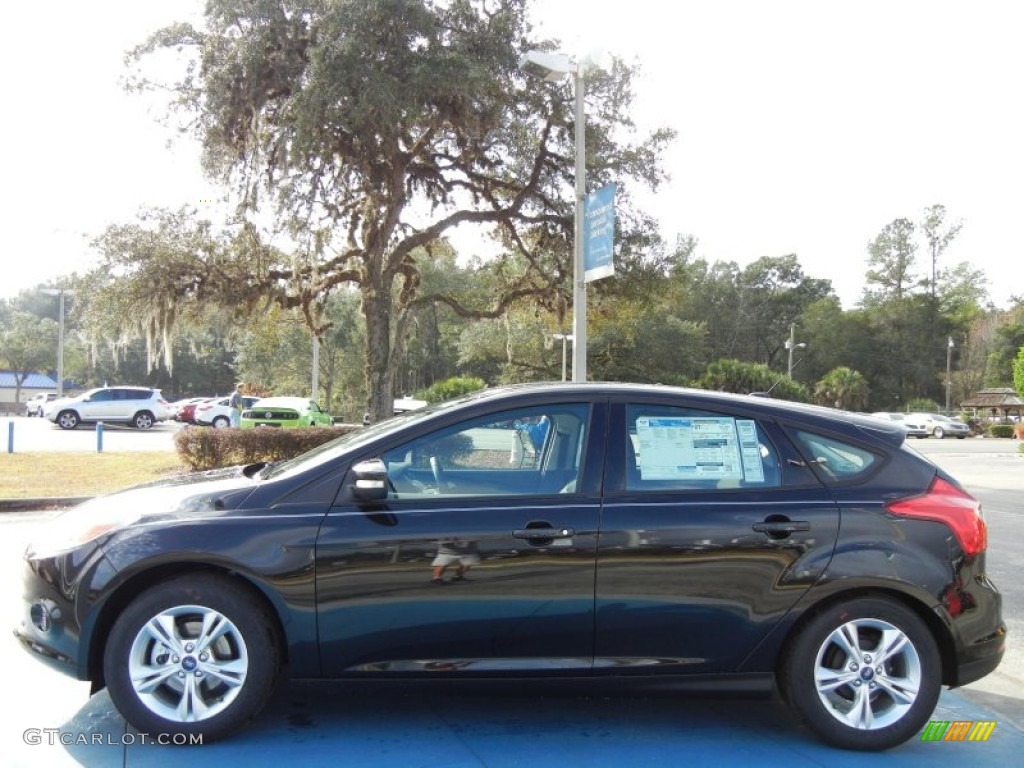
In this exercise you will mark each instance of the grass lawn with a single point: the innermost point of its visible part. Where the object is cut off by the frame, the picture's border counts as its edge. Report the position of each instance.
(49, 475)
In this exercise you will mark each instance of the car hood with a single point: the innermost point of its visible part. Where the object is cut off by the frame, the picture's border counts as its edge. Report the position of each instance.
(199, 495)
(216, 489)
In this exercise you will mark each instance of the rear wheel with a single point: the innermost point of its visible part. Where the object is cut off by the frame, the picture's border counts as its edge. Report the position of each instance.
(143, 420)
(939, 433)
(864, 674)
(67, 420)
(193, 655)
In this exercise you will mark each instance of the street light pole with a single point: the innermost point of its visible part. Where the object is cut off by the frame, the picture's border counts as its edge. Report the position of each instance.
(564, 337)
(949, 361)
(791, 345)
(551, 67)
(579, 297)
(60, 293)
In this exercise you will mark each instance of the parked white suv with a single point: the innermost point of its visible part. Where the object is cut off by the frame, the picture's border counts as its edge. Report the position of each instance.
(941, 426)
(141, 407)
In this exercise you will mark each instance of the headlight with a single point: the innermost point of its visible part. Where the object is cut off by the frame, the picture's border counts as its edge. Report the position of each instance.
(82, 524)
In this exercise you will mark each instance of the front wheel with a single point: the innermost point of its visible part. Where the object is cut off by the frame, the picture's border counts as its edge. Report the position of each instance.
(194, 655)
(863, 674)
(939, 433)
(221, 422)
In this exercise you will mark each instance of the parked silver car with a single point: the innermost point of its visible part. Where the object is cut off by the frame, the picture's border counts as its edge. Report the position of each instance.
(940, 426)
(915, 426)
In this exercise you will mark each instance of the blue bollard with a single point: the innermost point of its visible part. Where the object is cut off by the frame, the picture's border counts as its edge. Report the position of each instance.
(10, 437)
(99, 437)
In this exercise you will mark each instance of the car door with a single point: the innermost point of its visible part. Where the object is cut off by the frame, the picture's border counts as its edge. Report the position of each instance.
(127, 402)
(713, 528)
(97, 406)
(481, 559)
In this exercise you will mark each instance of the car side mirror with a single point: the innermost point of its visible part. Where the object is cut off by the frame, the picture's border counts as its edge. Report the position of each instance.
(370, 480)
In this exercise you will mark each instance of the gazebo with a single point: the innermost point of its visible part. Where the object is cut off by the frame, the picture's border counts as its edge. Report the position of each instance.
(997, 402)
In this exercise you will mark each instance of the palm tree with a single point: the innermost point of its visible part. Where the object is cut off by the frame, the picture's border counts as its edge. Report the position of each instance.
(842, 388)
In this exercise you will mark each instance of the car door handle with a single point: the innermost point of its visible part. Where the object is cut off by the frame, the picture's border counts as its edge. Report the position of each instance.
(781, 527)
(543, 533)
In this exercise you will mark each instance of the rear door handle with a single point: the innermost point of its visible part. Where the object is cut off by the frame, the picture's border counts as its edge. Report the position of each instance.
(543, 533)
(781, 528)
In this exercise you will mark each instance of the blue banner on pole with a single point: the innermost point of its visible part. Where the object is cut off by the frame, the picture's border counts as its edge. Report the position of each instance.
(599, 234)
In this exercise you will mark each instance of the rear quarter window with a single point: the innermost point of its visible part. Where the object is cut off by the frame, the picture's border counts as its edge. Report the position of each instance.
(836, 459)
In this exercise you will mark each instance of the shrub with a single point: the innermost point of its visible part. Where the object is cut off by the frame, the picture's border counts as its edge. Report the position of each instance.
(999, 430)
(200, 448)
(1018, 430)
(451, 388)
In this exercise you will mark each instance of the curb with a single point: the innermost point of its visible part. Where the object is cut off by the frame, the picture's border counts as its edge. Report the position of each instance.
(49, 504)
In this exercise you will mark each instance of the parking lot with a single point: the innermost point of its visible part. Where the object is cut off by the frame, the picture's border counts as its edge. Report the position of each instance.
(52, 720)
(34, 434)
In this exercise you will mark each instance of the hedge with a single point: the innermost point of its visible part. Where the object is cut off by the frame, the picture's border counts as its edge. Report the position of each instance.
(999, 430)
(201, 448)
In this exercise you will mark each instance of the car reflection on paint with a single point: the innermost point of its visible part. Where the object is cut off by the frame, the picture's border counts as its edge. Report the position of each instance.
(650, 536)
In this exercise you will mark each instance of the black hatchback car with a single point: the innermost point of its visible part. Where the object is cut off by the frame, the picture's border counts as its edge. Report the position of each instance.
(605, 532)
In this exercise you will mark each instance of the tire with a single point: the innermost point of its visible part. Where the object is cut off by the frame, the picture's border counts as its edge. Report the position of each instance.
(68, 420)
(939, 433)
(221, 422)
(861, 703)
(143, 420)
(157, 673)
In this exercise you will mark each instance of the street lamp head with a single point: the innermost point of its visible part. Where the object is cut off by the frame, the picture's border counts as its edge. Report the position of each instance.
(546, 66)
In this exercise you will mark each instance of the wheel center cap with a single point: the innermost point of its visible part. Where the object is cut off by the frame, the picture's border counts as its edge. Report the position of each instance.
(189, 663)
(866, 673)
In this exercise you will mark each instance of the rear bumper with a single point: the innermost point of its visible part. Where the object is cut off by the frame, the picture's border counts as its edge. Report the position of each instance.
(978, 628)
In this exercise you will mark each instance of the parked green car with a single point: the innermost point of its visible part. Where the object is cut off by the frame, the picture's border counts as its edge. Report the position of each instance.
(285, 412)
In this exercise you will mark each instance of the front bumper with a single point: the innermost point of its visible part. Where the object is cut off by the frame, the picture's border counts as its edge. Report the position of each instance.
(51, 623)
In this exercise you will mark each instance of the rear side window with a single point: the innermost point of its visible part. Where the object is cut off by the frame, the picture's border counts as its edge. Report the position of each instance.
(670, 448)
(835, 459)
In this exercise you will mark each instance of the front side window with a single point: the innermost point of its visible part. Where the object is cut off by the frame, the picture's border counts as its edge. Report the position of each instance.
(679, 448)
(528, 451)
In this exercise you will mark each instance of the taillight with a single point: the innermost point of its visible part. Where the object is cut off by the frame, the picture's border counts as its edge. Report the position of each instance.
(945, 503)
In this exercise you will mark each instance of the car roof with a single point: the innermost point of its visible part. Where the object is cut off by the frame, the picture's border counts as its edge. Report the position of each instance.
(848, 422)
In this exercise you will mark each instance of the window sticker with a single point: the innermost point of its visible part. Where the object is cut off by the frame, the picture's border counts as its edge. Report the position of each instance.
(689, 448)
(750, 451)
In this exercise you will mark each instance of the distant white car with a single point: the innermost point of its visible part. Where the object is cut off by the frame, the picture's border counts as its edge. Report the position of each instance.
(36, 405)
(940, 426)
(915, 427)
(217, 412)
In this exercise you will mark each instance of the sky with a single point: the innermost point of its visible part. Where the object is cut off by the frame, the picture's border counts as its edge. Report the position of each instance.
(803, 126)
